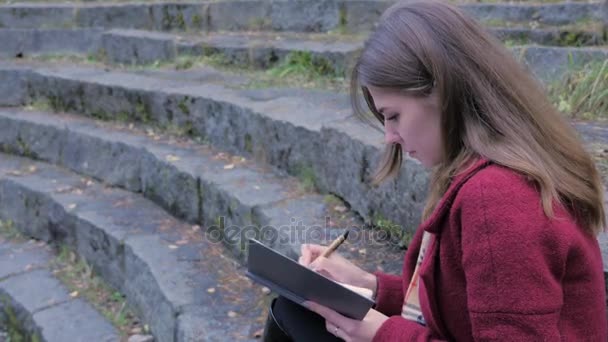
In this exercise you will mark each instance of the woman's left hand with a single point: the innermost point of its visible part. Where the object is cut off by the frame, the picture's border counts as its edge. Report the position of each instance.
(350, 330)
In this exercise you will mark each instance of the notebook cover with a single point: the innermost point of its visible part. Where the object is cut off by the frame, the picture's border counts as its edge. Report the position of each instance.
(299, 283)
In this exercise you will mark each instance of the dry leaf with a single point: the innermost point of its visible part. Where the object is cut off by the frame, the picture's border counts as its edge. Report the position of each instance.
(229, 167)
(196, 228)
(32, 168)
(172, 158)
(265, 290)
(258, 333)
(363, 251)
(211, 290)
(340, 208)
(173, 247)
(71, 206)
(232, 314)
(74, 294)
(181, 242)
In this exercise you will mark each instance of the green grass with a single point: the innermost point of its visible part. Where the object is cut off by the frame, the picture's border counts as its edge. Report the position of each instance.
(583, 92)
(307, 177)
(395, 231)
(78, 276)
(9, 231)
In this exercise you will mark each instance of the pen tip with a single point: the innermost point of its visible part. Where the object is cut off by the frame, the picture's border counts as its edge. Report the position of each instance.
(346, 234)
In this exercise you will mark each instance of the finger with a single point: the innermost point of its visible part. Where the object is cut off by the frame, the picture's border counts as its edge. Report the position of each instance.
(305, 254)
(329, 314)
(318, 263)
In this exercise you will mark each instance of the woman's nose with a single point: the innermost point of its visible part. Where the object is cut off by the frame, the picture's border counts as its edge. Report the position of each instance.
(391, 137)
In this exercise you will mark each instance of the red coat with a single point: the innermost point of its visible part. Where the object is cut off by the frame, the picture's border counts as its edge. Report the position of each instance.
(499, 269)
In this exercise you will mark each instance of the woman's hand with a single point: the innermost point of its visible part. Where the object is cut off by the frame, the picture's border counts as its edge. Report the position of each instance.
(350, 330)
(336, 267)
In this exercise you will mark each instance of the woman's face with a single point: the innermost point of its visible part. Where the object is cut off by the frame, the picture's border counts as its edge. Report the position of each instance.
(411, 122)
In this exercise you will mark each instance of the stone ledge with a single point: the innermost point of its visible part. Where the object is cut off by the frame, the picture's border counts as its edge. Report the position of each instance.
(40, 303)
(292, 15)
(302, 132)
(163, 266)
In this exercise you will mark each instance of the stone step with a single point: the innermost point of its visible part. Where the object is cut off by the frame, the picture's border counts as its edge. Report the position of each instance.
(282, 15)
(25, 42)
(307, 133)
(329, 53)
(36, 304)
(190, 181)
(550, 36)
(557, 13)
(259, 49)
(549, 64)
(178, 282)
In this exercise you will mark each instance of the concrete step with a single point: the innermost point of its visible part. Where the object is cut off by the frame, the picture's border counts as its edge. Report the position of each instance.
(330, 54)
(192, 182)
(282, 15)
(554, 13)
(178, 282)
(307, 133)
(549, 64)
(26, 42)
(258, 49)
(36, 304)
(165, 267)
(550, 36)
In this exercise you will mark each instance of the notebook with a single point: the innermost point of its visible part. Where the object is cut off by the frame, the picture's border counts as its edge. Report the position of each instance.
(298, 283)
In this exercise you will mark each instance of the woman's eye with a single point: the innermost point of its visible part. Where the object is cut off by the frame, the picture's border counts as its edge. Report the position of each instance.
(392, 117)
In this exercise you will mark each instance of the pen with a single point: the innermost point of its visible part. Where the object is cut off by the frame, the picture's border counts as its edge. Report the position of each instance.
(335, 244)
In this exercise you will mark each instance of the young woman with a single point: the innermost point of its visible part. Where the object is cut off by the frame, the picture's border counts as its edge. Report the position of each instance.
(507, 249)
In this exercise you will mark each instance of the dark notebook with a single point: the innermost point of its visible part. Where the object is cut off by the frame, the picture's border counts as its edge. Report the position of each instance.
(299, 283)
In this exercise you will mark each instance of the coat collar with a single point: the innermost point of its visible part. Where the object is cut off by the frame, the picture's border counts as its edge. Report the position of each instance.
(446, 200)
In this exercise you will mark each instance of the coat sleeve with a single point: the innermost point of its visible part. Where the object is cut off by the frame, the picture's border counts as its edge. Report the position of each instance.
(389, 293)
(397, 328)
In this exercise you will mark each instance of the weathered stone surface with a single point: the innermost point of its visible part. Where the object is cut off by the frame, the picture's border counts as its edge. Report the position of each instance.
(605, 15)
(305, 16)
(246, 49)
(238, 15)
(36, 15)
(20, 258)
(13, 90)
(179, 16)
(550, 36)
(551, 14)
(550, 63)
(39, 302)
(138, 47)
(285, 128)
(26, 42)
(169, 265)
(80, 320)
(281, 15)
(114, 15)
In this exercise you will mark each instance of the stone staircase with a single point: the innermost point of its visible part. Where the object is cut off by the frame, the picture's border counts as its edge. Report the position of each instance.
(156, 176)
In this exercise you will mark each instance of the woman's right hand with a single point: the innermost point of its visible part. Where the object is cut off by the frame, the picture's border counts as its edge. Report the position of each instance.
(336, 267)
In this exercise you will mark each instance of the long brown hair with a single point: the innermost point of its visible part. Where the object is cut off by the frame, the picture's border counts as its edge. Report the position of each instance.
(491, 106)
